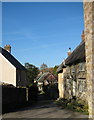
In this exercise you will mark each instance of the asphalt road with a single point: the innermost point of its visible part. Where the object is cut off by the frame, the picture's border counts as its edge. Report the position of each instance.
(44, 109)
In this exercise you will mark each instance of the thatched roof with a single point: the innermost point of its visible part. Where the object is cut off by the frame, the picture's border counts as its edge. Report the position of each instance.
(60, 68)
(78, 55)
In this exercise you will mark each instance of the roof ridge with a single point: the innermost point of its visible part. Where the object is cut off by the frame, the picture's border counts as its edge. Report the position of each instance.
(11, 59)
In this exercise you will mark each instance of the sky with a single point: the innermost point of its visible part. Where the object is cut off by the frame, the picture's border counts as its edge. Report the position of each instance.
(42, 32)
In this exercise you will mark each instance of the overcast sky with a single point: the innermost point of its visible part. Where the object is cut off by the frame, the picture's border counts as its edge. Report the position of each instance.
(42, 32)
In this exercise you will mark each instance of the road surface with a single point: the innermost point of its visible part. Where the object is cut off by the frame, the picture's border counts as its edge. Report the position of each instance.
(44, 109)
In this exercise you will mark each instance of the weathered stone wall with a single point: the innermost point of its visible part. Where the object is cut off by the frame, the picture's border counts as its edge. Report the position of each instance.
(89, 45)
(75, 82)
(68, 83)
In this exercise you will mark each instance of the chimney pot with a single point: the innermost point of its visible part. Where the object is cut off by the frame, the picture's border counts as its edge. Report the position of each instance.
(83, 36)
(69, 52)
(8, 48)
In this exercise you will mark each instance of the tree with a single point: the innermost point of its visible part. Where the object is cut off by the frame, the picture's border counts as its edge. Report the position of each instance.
(32, 72)
(54, 70)
(50, 70)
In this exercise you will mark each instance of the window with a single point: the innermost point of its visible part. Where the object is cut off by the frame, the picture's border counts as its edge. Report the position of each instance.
(68, 83)
(73, 69)
(74, 88)
(81, 66)
(81, 85)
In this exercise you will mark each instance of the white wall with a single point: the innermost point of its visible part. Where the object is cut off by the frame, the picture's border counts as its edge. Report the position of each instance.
(60, 85)
(7, 71)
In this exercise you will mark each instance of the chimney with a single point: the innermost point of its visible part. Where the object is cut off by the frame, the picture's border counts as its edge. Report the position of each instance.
(69, 52)
(8, 48)
(83, 36)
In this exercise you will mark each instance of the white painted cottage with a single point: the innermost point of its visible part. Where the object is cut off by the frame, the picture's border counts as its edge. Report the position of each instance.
(11, 70)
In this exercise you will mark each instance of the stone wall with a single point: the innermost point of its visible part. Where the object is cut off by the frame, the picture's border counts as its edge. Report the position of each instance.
(89, 46)
(75, 82)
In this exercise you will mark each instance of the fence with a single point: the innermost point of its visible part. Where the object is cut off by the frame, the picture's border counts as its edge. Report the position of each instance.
(12, 98)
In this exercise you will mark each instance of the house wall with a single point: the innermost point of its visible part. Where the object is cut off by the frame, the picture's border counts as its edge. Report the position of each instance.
(89, 48)
(68, 83)
(21, 78)
(75, 81)
(7, 71)
(61, 83)
(40, 86)
(81, 81)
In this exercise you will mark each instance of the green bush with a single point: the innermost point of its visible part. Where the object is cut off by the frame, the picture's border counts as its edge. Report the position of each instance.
(62, 102)
(51, 91)
(45, 89)
(33, 92)
(79, 106)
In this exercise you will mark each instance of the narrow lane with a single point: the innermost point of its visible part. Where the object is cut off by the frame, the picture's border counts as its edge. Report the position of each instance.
(44, 109)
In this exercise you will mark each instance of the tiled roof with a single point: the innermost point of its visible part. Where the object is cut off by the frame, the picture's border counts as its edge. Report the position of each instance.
(43, 76)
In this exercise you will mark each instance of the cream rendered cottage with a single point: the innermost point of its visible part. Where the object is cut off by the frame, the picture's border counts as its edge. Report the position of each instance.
(11, 70)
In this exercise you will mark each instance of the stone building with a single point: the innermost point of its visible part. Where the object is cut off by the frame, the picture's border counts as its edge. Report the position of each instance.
(61, 71)
(72, 74)
(88, 63)
(89, 50)
(88, 7)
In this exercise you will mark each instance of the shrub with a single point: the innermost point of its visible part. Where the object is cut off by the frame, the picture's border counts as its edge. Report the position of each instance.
(62, 102)
(79, 106)
(33, 92)
(46, 89)
(53, 91)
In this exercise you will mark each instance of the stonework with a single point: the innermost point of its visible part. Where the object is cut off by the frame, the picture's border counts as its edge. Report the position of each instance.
(72, 82)
(89, 46)
(75, 82)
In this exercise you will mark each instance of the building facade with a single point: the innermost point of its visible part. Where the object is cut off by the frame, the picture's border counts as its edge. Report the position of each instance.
(11, 70)
(89, 47)
(72, 74)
